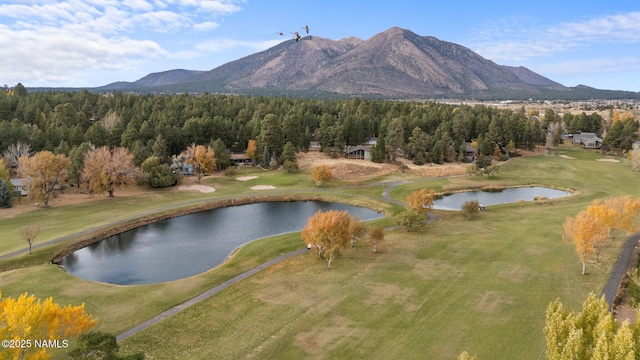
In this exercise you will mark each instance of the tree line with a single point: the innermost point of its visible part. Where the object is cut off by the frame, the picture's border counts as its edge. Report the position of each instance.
(60, 121)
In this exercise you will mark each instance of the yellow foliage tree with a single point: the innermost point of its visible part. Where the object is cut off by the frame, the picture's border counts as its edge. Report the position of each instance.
(27, 319)
(251, 149)
(592, 333)
(104, 169)
(328, 233)
(377, 236)
(590, 229)
(321, 174)
(44, 171)
(420, 201)
(588, 232)
(202, 158)
(357, 229)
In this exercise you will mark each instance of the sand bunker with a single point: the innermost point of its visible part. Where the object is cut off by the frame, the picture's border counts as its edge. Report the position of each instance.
(608, 160)
(566, 157)
(263, 187)
(201, 188)
(246, 178)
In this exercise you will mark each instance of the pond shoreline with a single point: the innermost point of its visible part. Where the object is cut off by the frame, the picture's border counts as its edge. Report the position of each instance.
(103, 234)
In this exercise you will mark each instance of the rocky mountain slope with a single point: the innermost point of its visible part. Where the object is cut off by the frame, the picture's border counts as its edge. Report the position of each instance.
(396, 63)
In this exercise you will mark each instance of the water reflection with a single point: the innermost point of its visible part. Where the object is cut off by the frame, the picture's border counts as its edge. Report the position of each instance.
(188, 245)
(455, 201)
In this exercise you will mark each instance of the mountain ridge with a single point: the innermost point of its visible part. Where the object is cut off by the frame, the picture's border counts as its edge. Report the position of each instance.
(393, 64)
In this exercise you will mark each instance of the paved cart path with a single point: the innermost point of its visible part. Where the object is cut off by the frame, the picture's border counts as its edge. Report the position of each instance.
(207, 294)
(620, 268)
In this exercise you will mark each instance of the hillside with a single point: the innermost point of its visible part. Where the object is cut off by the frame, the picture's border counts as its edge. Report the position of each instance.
(396, 63)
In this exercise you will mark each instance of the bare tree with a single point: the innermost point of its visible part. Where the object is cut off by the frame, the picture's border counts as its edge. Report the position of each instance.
(29, 234)
(110, 120)
(15, 151)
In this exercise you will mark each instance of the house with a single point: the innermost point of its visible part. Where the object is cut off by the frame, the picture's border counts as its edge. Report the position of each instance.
(362, 152)
(240, 159)
(470, 153)
(186, 169)
(20, 187)
(588, 140)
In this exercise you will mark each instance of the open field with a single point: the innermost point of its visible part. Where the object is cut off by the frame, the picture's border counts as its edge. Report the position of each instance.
(480, 285)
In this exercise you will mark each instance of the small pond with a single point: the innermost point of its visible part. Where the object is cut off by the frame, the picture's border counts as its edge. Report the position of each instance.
(455, 201)
(191, 244)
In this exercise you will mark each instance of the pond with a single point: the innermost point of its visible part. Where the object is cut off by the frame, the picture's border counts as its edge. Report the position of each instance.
(192, 244)
(485, 198)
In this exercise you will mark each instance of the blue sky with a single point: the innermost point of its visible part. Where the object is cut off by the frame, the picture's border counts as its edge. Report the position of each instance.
(78, 43)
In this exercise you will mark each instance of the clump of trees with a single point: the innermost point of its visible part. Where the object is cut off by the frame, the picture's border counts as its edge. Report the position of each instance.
(329, 233)
(417, 205)
(162, 126)
(592, 333)
(591, 228)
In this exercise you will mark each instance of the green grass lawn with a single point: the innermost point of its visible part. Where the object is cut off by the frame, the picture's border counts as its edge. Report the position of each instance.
(481, 285)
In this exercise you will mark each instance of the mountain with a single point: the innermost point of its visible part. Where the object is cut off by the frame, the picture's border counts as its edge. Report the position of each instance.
(396, 63)
(155, 79)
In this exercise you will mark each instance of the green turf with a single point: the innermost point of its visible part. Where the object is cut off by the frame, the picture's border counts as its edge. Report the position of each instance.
(480, 285)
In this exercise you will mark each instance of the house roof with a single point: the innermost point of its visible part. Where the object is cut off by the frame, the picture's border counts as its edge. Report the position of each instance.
(238, 156)
(18, 182)
(351, 149)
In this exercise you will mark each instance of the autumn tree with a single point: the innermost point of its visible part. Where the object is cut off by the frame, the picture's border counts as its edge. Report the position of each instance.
(29, 318)
(29, 234)
(592, 333)
(465, 356)
(377, 236)
(357, 229)
(44, 172)
(328, 233)
(203, 159)
(105, 169)
(586, 231)
(251, 151)
(321, 174)
(420, 201)
(591, 228)
(470, 208)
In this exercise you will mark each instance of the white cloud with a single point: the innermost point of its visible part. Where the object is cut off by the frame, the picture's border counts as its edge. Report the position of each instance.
(49, 41)
(588, 66)
(512, 40)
